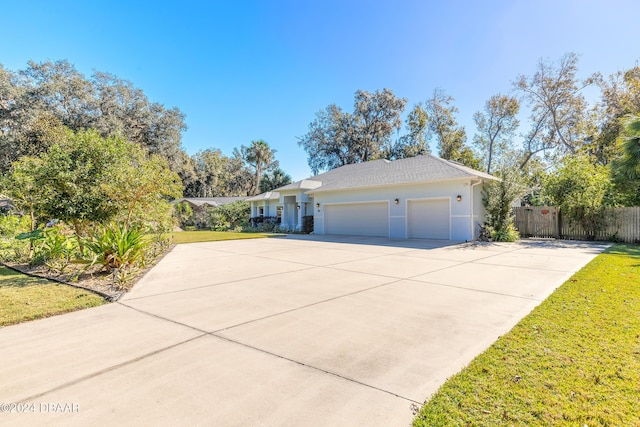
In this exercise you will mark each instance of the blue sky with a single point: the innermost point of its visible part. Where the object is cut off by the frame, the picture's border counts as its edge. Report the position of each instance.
(245, 70)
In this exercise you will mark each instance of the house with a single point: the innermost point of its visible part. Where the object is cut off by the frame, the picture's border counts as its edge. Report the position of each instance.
(422, 197)
(208, 202)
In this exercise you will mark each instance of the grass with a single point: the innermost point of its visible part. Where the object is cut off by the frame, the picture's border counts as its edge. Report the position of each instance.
(25, 298)
(574, 361)
(214, 236)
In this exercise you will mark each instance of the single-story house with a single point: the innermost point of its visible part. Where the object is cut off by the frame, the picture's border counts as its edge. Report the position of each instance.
(211, 202)
(422, 197)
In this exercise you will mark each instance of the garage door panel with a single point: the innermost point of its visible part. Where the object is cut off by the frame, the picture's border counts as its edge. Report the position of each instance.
(428, 219)
(357, 219)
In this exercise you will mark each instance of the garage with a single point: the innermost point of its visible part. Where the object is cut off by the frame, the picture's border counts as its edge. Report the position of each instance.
(428, 219)
(357, 219)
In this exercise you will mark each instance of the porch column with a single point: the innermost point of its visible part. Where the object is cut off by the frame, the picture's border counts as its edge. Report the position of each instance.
(299, 224)
(285, 216)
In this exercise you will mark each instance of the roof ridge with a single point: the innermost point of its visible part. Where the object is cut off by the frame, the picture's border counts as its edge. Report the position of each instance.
(454, 164)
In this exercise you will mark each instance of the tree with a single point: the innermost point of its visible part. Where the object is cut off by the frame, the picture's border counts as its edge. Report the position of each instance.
(498, 198)
(496, 127)
(209, 170)
(449, 135)
(75, 175)
(142, 187)
(274, 179)
(86, 179)
(620, 98)
(21, 187)
(558, 110)
(327, 143)
(336, 138)
(416, 141)
(629, 141)
(261, 158)
(50, 95)
(125, 110)
(583, 191)
(58, 88)
(376, 116)
(237, 177)
(626, 166)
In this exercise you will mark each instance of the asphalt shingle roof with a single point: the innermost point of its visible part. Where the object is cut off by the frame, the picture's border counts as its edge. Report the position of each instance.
(211, 201)
(384, 172)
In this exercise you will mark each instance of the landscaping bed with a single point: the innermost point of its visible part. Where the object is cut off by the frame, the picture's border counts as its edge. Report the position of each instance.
(112, 286)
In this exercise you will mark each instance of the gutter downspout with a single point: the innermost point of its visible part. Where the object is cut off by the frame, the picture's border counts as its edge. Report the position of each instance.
(473, 234)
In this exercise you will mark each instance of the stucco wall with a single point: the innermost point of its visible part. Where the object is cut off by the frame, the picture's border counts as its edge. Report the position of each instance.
(461, 220)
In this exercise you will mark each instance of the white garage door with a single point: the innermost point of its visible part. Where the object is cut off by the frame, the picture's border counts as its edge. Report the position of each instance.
(357, 219)
(428, 219)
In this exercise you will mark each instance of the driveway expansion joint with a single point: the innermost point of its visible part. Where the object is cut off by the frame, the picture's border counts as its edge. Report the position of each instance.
(315, 368)
(222, 337)
(108, 369)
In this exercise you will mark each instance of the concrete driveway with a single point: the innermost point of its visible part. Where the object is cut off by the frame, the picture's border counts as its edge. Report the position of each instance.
(291, 331)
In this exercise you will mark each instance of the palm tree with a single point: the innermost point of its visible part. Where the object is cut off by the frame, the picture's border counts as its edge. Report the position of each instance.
(277, 178)
(261, 157)
(629, 142)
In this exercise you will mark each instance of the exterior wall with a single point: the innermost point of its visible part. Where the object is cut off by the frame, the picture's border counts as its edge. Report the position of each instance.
(478, 209)
(461, 219)
(269, 207)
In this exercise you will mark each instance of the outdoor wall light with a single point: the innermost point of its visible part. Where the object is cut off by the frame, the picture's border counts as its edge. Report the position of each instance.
(396, 201)
(298, 207)
(459, 198)
(317, 205)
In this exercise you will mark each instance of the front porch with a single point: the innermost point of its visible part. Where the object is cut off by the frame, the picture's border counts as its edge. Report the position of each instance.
(286, 209)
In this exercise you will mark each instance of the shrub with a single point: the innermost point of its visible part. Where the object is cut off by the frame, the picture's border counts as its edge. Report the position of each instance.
(184, 214)
(202, 218)
(55, 249)
(307, 224)
(218, 221)
(583, 191)
(117, 246)
(12, 225)
(236, 213)
(505, 234)
(498, 198)
(230, 217)
(10, 248)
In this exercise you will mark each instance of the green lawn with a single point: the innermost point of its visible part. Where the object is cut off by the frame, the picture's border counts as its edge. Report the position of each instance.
(25, 298)
(214, 236)
(574, 361)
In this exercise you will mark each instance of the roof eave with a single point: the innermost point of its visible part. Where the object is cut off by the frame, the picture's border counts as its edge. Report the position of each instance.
(400, 184)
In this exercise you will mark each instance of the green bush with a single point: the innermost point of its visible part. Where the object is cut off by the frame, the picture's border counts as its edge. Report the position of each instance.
(218, 221)
(55, 249)
(12, 225)
(184, 214)
(233, 216)
(117, 246)
(11, 249)
(507, 233)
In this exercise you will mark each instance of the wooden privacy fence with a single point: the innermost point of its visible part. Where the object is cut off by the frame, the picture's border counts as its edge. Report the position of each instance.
(621, 224)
